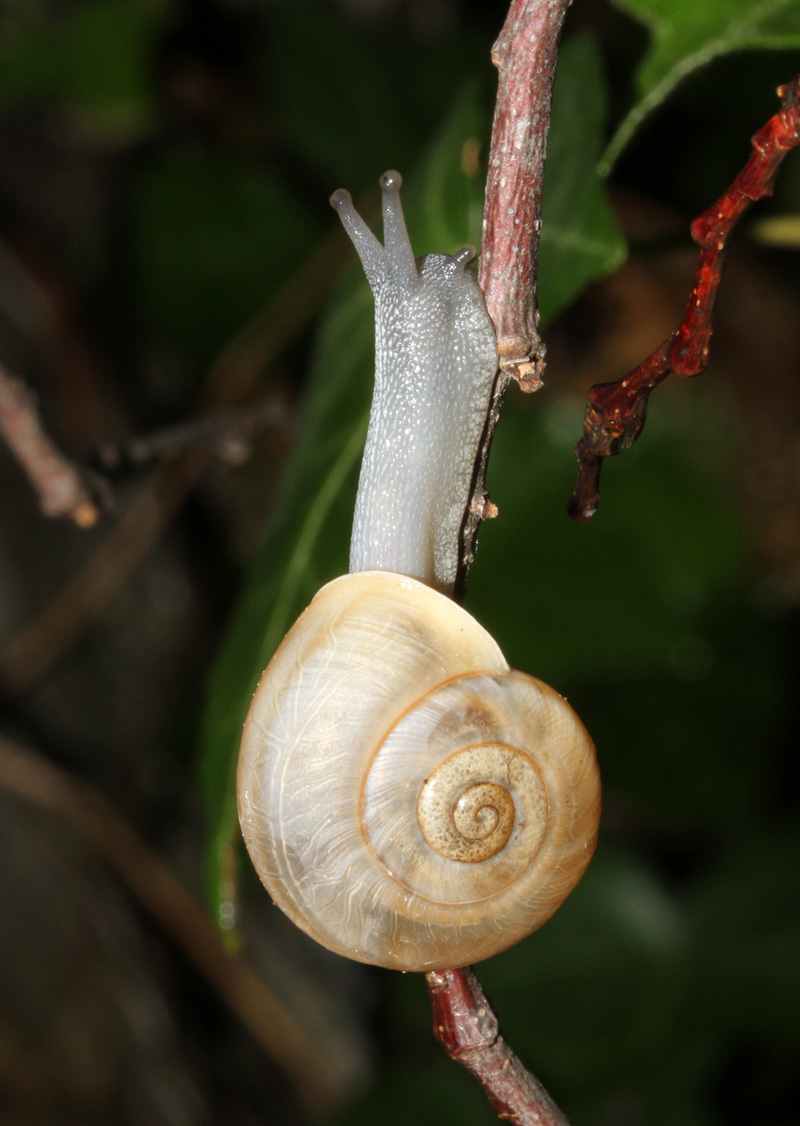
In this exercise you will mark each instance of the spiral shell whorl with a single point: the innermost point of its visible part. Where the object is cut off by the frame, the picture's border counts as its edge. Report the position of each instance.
(407, 798)
(462, 819)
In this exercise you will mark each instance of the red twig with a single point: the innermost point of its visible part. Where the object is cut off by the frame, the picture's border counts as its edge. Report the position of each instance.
(465, 1024)
(616, 412)
(60, 486)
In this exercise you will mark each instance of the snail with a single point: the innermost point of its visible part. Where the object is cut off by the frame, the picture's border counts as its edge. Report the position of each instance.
(407, 798)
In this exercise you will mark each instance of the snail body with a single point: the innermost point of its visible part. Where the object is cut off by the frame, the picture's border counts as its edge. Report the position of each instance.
(435, 364)
(407, 799)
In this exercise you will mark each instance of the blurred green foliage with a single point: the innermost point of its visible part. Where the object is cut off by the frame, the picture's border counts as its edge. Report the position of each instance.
(214, 234)
(95, 61)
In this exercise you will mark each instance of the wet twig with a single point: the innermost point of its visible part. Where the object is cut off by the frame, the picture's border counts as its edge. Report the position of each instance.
(616, 412)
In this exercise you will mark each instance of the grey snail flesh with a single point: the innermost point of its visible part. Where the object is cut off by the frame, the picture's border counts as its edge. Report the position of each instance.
(435, 365)
(406, 798)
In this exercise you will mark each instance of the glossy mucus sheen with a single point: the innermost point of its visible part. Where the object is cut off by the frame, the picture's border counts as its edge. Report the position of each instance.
(407, 799)
(435, 363)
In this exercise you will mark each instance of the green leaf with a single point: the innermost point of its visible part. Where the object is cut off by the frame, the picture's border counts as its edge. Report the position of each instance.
(687, 34)
(306, 547)
(580, 239)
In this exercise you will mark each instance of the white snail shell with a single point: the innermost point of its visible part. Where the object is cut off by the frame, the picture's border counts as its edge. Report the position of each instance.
(406, 798)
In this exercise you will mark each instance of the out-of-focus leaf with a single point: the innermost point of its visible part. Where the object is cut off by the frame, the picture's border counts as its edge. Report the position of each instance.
(581, 240)
(745, 918)
(352, 102)
(96, 60)
(621, 593)
(687, 34)
(26, 60)
(214, 235)
(306, 547)
(104, 63)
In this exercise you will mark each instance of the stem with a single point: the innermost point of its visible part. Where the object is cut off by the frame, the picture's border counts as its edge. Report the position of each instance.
(466, 1026)
(61, 488)
(525, 55)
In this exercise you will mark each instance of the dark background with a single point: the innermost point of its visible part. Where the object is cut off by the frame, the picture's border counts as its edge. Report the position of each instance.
(166, 249)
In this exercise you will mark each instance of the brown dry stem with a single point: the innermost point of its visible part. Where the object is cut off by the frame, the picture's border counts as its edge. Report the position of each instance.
(466, 1026)
(525, 55)
(60, 486)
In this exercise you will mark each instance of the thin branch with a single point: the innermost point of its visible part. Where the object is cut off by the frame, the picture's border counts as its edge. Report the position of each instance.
(87, 594)
(227, 434)
(28, 776)
(616, 412)
(60, 486)
(466, 1026)
(525, 55)
(232, 375)
(105, 573)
